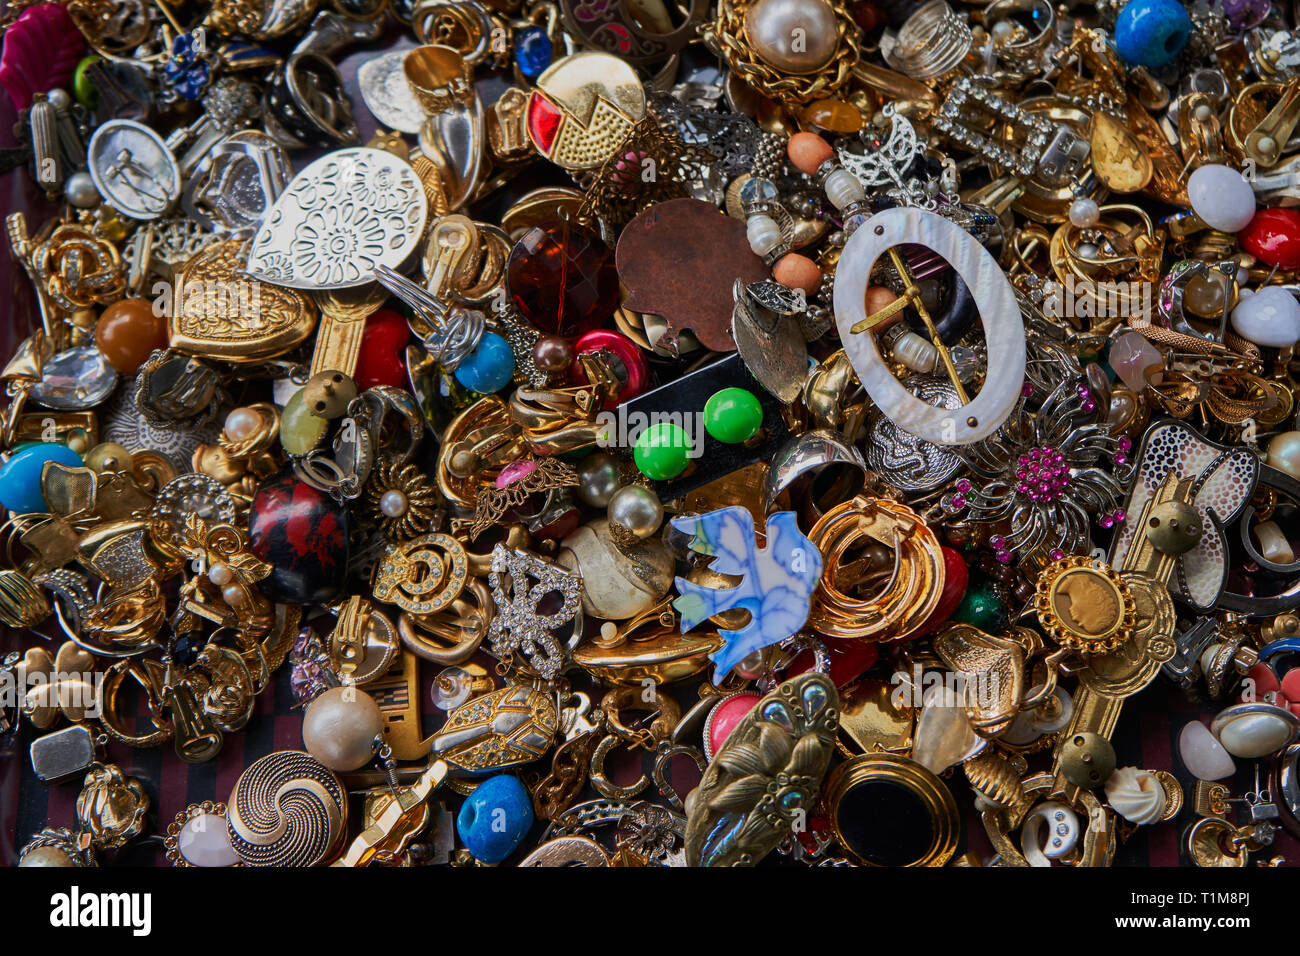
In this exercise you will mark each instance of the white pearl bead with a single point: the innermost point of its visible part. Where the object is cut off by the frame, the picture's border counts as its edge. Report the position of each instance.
(763, 233)
(340, 727)
(1087, 250)
(393, 503)
(1221, 196)
(638, 509)
(1269, 317)
(794, 36)
(1084, 212)
(220, 575)
(234, 595)
(1252, 736)
(843, 188)
(242, 423)
(1284, 453)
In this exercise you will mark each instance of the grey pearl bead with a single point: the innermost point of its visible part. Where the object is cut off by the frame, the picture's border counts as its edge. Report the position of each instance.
(59, 99)
(597, 479)
(80, 191)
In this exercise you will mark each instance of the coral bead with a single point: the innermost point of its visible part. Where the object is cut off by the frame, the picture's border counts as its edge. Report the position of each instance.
(798, 272)
(808, 151)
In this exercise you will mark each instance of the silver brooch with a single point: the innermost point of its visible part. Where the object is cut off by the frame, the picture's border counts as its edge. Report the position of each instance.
(343, 216)
(519, 626)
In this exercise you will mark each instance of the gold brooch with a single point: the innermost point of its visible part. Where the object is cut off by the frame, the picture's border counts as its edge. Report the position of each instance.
(219, 313)
(1085, 606)
(416, 579)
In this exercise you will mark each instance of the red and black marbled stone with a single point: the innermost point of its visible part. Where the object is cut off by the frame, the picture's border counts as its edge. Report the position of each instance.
(303, 534)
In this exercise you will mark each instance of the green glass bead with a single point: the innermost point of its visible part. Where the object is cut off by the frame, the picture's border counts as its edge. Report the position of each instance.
(733, 415)
(980, 608)
(300, 431)
(82, 88)
(662, 451)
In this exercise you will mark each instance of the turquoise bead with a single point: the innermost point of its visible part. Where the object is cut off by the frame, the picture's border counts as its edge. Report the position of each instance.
(495, 818)
(1150, 33)
(20, 476)
(489, 367)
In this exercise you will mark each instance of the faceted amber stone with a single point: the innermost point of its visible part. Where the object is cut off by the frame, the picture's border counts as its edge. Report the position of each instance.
(834, 116)
(562, 279)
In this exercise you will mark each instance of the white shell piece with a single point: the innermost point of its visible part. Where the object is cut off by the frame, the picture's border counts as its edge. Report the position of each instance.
(1004, 331)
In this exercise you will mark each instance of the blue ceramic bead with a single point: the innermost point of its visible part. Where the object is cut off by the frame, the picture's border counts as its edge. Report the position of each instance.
(533, 51)
(495, 818)
(489, 367)
(20, 476)
(1150, 33)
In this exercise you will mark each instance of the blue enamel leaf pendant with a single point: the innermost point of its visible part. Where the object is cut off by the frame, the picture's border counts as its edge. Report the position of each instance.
(777, 583)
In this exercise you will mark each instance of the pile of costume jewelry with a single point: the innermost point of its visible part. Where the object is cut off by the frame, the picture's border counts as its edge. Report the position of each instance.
(655, 432)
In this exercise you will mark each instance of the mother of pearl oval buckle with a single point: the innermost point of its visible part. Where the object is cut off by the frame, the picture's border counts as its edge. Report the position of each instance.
(1004, 332)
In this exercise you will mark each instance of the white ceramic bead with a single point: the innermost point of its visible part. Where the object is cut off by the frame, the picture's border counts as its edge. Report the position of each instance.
(1269, 317)
(1062, 833)
(763, 233)
(1221, 196)
(1202, 754)
(1084, 212)
(1136, 795)
(843, 188)
(915, 352)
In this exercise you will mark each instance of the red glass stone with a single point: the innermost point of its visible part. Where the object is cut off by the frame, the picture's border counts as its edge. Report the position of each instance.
(956, 576)
(562, 279)
(382, 358)
(849, 660)
(1273, 237)
(543, 122)
(867, 15)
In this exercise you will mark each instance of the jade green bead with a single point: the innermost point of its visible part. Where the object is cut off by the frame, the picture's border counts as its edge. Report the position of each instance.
(82, 87)
(300, 431)
(980, 608)
(733, 415)
(662, 451)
